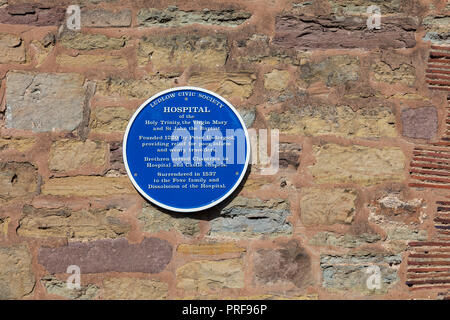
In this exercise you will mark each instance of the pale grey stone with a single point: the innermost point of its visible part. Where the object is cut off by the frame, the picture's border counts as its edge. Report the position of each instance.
(44, 101)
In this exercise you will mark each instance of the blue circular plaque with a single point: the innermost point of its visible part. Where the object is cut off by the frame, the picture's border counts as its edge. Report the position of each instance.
(186, 149)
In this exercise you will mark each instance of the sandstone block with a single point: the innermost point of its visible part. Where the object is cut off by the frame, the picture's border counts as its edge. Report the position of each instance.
(69, 155)
(12, 49)
(17, 180)
(244, 217)
(133, 289)
(183, 50)
(88, 186)
(150, 256)
(34, 99)
(325, 206)
(74, 225)
(288, 264)
(16, 275)
(205, 276)
(357, 164)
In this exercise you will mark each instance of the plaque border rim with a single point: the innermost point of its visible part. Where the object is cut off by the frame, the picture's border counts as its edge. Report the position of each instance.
(176, 209)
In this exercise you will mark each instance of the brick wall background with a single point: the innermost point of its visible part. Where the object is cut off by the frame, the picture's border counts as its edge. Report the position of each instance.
(365, 171)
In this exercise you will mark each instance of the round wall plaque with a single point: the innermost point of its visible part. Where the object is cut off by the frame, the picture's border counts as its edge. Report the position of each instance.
(186, 149)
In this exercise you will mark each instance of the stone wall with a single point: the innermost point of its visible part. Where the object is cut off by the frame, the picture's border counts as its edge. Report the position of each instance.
(364, 154)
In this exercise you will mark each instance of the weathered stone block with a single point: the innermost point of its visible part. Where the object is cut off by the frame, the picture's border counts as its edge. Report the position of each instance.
(290, 263)
(351, 272)
(205, 276)
(75, 225)
(327, 206)
(150, 256)
(403, 73)
(99, 18)
(244, 217)
(209, 248)
(182, 50)
(16, 275)
(276, 80)
(309, 32)
(17, 180)
(229, 85)
(335, 70)
(343, 240)
(59, 288)
(420, 123)
(12, 49)
(154, 220)
(110, 119)
(88, 186)
(133, 289)
(357, 164)
(88, 60)
(85, 41)
(173, 17)
(17, 143)
(44, 101)
(32, 14)
(69, 155)
(313, 120)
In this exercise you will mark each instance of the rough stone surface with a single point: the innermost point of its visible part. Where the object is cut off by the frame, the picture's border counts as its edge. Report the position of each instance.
(150, 256)
(88, 186)
(32, 14)
(320, 206)
(33, 98)
(252, 217)
(133, 289)
(206, 275)
(131, 88)
(333, 71)
(110, 119)
(312, 120)
(343, 240)
(420, 123)
(404, 73)
(59, 288)
(71, 155)
(438, 30)
(290, 263)
(229, 85)
(116, 157)
(173, 17)
(350, 272)
(17, 180)
(248, 116)
(209, 248)
(4, 222)
(154, 220)
(74, 225)
(276, 80)
(84, 41)
(20, 144)
(307, 32)
(400, 218)
(289, 154)
(12, 49)
(16, 275)
(99, 18)
(182, 50)
(357, 164)
(87, 60)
